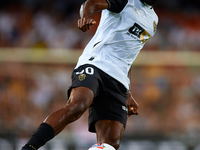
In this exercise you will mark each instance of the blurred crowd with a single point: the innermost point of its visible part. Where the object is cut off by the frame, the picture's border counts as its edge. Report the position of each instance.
(169, 104)
(53, 24)
(27, 94)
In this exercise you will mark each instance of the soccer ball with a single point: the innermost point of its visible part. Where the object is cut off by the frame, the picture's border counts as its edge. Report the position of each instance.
(98, 146)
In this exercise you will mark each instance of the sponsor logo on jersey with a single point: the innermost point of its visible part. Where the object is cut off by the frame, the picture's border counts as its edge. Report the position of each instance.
(136, 30)
(139, 32)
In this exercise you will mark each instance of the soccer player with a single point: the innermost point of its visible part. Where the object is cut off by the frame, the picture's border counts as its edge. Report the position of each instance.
(100, 80)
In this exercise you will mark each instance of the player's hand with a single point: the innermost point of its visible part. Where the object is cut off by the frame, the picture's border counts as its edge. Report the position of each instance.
(85, 24)
(132, 105)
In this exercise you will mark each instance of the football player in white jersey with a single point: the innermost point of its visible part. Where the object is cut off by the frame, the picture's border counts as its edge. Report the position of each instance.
(100, 80)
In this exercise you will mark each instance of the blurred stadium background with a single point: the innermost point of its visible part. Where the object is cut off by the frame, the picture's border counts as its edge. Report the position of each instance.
(39, 47)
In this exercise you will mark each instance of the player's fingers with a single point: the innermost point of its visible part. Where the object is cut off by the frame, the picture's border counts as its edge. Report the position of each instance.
(92, 22)
(133, 111)
(131, 114)
(88, 24)
(85, 24)
(81, 24)
(84, 27)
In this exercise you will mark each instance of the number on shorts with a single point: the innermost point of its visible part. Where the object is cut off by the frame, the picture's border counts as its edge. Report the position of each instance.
(88, 70)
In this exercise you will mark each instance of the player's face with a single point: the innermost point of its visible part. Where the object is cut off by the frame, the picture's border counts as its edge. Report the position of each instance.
(149, 2)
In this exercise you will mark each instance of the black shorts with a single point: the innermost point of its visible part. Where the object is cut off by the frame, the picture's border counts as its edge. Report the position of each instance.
(109, 95)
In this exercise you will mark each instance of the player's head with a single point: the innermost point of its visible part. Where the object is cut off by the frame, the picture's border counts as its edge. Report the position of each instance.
(149, 2)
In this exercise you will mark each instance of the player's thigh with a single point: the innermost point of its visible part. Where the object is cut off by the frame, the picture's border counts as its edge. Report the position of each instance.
(81, 97)
(86, 76)
(109, 131)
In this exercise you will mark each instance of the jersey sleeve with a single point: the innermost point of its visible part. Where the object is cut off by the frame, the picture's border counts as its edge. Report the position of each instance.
(116, 6)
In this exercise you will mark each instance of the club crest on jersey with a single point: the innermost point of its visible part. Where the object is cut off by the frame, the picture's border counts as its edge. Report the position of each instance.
(99, 145)
(81, 77)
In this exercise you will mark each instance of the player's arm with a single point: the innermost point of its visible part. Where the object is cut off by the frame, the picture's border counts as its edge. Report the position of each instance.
(87, 10)
(91, 6)
(131, 102)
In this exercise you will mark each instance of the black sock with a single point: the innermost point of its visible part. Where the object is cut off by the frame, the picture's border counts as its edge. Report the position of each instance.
(43, 134)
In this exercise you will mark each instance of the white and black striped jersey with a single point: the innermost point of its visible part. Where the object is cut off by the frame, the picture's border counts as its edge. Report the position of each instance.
(122, 32)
